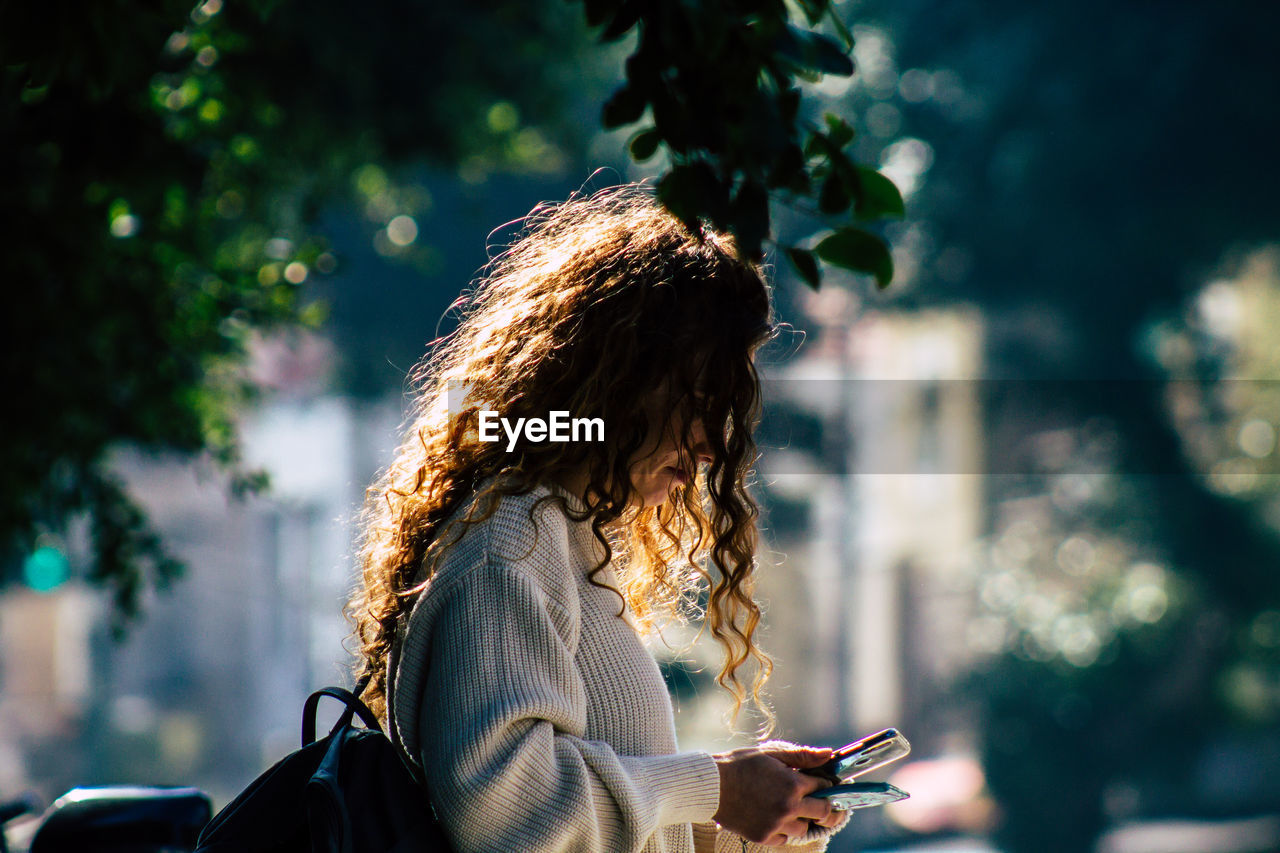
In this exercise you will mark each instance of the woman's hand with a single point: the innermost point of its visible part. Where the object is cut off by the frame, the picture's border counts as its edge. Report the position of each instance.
(764, 798)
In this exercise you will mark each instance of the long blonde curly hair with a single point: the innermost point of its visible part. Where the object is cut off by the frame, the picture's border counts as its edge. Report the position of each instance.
(602, 303)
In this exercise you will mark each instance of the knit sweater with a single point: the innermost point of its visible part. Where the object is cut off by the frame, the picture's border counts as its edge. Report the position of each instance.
(540, 720)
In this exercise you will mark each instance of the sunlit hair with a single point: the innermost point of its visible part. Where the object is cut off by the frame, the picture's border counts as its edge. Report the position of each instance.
(602, 305)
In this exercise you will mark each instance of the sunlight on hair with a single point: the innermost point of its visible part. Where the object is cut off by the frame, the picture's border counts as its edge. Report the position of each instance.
(600, 305)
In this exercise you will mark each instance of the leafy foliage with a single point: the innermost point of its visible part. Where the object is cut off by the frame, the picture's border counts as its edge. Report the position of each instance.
(171, 164)
(1061, 183)
(717, 86)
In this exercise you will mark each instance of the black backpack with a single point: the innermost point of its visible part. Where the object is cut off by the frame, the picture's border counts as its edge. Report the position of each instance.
(349, 792)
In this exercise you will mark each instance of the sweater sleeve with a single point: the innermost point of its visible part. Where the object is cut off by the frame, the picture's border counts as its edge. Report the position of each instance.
(500, 729)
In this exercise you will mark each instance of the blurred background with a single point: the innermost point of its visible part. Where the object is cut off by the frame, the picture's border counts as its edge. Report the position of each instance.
(1023, 504)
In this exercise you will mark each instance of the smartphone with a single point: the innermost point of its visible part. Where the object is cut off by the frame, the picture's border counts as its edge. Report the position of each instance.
(863, 756)
(859, 795)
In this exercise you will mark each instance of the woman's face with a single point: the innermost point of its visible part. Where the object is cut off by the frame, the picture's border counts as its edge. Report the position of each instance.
(657, 468)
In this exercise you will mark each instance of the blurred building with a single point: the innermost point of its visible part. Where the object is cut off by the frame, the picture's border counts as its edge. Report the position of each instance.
(207, 688)
(872, 484)
(872, 496)
(45, 682)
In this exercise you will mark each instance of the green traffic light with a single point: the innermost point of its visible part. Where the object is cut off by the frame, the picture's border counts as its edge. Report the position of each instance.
(45, 569)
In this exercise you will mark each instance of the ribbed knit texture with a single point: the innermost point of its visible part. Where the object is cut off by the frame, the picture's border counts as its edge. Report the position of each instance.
(540, 720)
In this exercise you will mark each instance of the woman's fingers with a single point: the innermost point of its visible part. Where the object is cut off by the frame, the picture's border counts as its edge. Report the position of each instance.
(812, 811)
(794, 755)
(790, 831)
(764, 799)
(815, 809)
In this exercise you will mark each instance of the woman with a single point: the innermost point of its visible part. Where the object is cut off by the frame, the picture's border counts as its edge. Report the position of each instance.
(506, 581)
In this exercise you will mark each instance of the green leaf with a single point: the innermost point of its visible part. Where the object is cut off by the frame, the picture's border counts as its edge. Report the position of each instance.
(626, 18)
(692, 191)
(877, 196)
(672, 120)
(830, 57)
(822, 144)
(841, 165)
(749, 218)
(854, 249)
(815, 144)
(814, 10)
(645, 144)
(839, 131)
(626, 106)
(842, 29)
(833, 197)
(813, 51)
(788, 170)
(805, 264)
(789, 104)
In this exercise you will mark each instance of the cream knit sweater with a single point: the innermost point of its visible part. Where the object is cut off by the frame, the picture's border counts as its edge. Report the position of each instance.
(541, 721)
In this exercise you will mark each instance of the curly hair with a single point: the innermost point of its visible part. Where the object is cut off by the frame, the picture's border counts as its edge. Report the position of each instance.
(601, 304)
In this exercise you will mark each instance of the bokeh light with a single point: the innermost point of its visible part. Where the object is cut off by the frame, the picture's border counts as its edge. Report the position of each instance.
(402, 230)
(45, 569)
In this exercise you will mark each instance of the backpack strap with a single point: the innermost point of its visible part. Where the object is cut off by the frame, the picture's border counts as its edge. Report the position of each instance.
(354, 708)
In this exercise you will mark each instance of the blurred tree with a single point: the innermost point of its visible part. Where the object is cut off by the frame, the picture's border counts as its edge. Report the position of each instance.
(170, 164)
(1119, 152)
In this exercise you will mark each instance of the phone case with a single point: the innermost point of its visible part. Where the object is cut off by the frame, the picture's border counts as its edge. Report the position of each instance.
(863, 756)
(860, 795)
